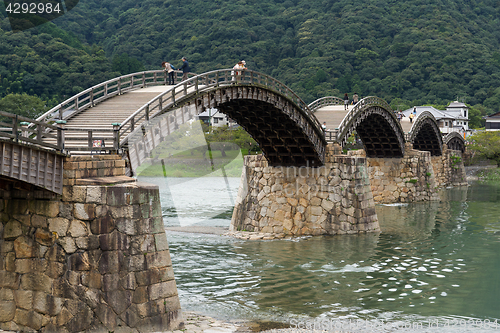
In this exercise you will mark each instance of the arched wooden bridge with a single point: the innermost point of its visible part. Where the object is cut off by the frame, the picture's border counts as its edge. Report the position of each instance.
(134, 113)
(381, 133)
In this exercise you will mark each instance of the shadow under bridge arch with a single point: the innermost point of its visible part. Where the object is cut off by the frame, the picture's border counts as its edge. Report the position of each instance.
(376, 125)
(278, 120)
(425, 134)
(455, 141)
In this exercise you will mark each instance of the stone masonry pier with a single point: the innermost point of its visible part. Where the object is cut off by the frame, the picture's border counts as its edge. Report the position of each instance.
(417, 176)
(333, 199)
(95, 259)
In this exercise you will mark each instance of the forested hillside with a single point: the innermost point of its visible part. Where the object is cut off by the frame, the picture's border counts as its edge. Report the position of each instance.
(407, 52)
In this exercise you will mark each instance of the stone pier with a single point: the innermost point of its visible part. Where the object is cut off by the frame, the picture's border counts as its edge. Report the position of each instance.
(333, 199)
(417, 176)
(95, 259)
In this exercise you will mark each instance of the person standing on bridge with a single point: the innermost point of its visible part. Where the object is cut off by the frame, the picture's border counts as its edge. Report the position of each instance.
(184, 68)
(169, 69)
(239, 69)
(355, 98)
(346, 101)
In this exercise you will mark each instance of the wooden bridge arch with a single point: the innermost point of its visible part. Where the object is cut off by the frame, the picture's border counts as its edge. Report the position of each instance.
(425, 134)
(325, 101)
(376, 125)
(455, 141)
(283, 125)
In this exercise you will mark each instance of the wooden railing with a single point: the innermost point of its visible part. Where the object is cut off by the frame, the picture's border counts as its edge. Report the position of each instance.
(205, 82)
(180, 92)
(98, 93)
(28, 131)
(325, 101)
(371, 101)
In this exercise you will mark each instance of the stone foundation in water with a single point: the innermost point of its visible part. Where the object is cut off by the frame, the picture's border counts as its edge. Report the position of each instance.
(417, 176)
(94, 259)
(333, 199)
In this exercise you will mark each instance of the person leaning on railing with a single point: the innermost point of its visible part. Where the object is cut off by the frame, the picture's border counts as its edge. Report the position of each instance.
(238, 71)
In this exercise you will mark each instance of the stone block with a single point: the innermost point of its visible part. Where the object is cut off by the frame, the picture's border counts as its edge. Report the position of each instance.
(47, 304)
(111, 282)
(47, 208)
(79, 262)
(24, 247)
(156, 224)
(103, 225)
(136, 262)
(140, 295)
(106, 316)
(130, 317)
(56, 253)
(84, 211)
(142, 244)
(126, 226)
(162, 290)
(68, 244)
(36, 282)
(92, 279)
(45, 237)
(29, 319)
(7, 311)
(82, 319)
(119, 300)
(110, 262)
(23, 219)
(158, 259)
(55, 269)
(58, 225)
(161, 241)
(24, 299)
(9, 261)
(113, 241)
(12, 230)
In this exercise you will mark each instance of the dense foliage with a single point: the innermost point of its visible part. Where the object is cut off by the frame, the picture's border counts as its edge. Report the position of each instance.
(407, 52)
(486, 144)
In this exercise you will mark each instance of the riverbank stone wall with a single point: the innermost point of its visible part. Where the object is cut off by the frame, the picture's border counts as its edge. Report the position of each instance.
(95, 259)
(333, 199)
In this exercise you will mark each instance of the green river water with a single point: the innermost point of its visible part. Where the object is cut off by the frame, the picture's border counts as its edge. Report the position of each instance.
(435, 265)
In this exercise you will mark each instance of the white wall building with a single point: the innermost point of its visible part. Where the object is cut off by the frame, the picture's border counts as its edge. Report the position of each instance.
(215, 118)
(493, 122)
(454, 119)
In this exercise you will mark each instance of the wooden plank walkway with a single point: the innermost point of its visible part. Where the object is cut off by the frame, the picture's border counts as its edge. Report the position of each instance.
(334, 114)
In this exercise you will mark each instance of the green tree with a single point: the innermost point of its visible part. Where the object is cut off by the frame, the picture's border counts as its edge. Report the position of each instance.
(487, 144)
(23, 105)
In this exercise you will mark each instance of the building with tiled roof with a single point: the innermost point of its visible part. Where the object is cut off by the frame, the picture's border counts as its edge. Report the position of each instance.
(454, 119)
(493, 122)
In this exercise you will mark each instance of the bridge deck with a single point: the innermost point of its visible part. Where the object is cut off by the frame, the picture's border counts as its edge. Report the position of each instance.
(334, 114)
(115, 109)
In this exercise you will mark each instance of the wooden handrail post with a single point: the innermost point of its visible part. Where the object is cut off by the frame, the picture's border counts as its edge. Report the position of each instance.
(14, 129)
(60, 134)
(116, 136)
(89, 133)
(147, 112)
(119, 86)
(24, 128)
(91, 97)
